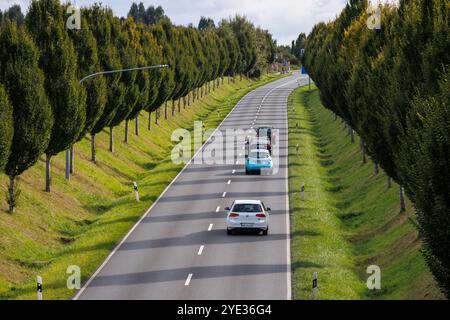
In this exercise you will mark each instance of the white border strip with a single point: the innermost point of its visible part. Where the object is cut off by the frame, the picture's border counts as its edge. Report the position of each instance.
(99, 269)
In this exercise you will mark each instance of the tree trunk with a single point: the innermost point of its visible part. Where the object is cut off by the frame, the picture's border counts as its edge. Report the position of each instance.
(136, 125)
(361, 144)
(165, 110)
(149, 120)
(389, 182)
(48, 175)
(173, 107)
(11, 195)
(364, 158)
(179, 105)
(111, 139)
(402, 200)
(189, 99)
(68, 164)
(376, 168)
(72, 159)
(126, 131)
(157, 116)
(93, 156)
(184, 102)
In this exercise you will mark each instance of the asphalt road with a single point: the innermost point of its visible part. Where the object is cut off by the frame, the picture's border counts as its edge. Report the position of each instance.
(180, 250)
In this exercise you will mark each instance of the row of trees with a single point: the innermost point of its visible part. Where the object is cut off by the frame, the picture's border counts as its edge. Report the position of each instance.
(44, 108)
(392, 85)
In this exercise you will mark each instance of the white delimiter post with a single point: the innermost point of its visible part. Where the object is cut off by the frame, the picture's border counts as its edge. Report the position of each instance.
(315, 290)
(136, 192)
(302, 190)
(39, 288)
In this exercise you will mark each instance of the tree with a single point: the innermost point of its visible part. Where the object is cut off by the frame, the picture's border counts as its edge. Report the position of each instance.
(206, 23)
(33, 118)
(88, 63)
(245, 35)
(45, 21)
(154, 15)
(106, 28)
(298, 45)
(6, 126)
(15, 13)
(160, 31)
(127, 42)
(151, 55)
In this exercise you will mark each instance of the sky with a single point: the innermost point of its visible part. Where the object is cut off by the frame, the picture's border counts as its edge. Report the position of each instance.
(284, 19)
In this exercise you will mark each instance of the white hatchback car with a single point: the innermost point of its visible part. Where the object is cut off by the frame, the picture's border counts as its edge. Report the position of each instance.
(249, 215)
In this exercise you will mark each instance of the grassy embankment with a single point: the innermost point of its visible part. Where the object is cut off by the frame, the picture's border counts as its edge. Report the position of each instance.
(349, 218)
(83, 219)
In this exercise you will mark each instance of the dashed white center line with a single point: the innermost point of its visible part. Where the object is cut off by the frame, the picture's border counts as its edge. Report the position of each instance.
(229, 182)
(200, 250)
(188, 280)
(233, 172)
(237, 162)
(210, 226)
(224, 194)
(218, 208)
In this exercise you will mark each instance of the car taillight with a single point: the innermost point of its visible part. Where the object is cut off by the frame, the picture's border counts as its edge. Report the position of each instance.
(260, 215)
(234, 214)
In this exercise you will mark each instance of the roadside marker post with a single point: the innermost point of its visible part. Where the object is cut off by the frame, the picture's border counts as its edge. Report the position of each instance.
(315, 290)
(39, 288)
(302, 190)
(136, 192)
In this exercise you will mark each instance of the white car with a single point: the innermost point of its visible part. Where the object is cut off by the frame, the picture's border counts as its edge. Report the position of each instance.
(249, 215)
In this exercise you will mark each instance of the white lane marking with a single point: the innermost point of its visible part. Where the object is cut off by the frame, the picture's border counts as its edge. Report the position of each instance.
(229, 182)
(240, 154)
(237, 162)
(210, 226)
(200, 250)
(224, 194)
(113, 252)
(218, 209)
(188, 280)
(233, 172)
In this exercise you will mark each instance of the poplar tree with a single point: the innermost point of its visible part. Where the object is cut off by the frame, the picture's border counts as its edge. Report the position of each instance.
(32, 115)
(45, 21)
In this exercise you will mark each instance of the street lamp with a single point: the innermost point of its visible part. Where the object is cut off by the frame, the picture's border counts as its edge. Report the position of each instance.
(69, 152)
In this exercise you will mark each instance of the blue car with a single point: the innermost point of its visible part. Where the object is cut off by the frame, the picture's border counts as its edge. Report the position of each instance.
(258, 160)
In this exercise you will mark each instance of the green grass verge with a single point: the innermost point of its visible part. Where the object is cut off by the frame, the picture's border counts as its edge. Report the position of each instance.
(349, 218)
(83, 219)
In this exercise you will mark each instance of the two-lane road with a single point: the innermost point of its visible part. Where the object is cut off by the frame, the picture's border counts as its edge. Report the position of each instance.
(180, 250)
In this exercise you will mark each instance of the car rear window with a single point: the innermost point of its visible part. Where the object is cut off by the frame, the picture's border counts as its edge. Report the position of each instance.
(247, 207)
(260, 155)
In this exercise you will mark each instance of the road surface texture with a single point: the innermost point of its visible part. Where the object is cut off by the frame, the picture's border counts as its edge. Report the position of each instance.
(180, 249)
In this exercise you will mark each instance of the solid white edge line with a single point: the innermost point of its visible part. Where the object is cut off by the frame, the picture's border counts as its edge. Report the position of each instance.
(188, 280)
(91, 278)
